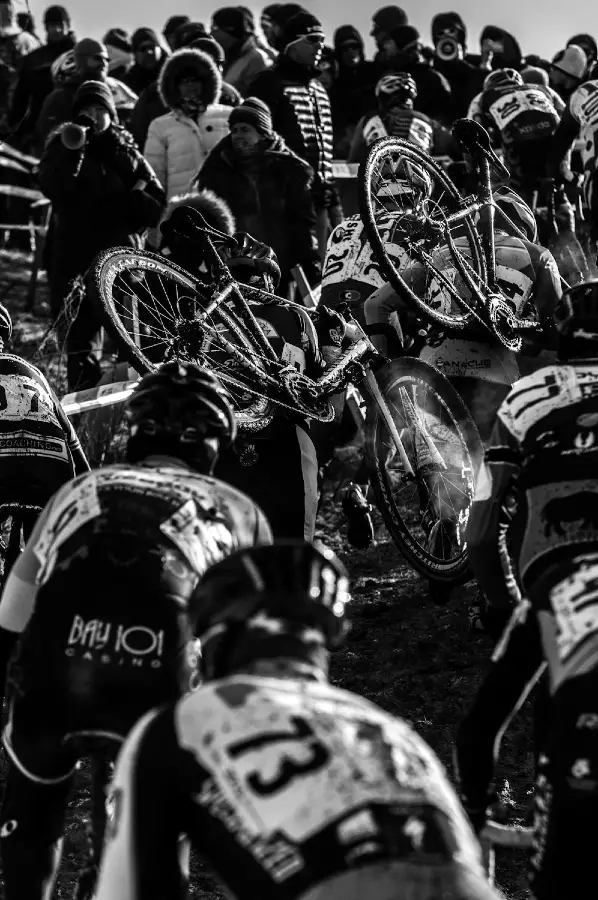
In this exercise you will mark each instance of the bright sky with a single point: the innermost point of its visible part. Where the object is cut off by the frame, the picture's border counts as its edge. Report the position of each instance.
(541, 27)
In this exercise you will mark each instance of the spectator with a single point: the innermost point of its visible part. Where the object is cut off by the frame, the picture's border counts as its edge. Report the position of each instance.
(449, 36)
(262, 45)
(404, 54)
(272, 22)
(35, 78)
(149, 58)
(352, 94)
(14, 45)
(589, 47)
(383, 24)
(327, 69)
(216, 214)
(301, 112)
(500, 50)
(120, 52)
(26, 22)
(103, 194)
(187, 33)
(234, 30)
(568, 70)
(170, 28)
(179, 142)
(90, 62)
(150, 105)
(267, 188)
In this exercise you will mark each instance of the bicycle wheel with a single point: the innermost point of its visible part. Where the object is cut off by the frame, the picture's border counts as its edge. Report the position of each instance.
(425, 513)
(405, 199)
(150, 306)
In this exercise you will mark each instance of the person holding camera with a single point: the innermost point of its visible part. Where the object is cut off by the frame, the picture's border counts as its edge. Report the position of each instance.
(104, 194)
(449, 36)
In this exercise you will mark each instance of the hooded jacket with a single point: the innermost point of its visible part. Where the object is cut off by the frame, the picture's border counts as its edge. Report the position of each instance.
(177, 145)
(269, 196)
(463, 75)
(512, 56)
(352, 93)
(246, 64)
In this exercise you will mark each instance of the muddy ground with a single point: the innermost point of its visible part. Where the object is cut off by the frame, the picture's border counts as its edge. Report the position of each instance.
(414, 659)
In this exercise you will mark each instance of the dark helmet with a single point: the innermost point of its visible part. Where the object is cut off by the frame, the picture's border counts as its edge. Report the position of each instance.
(576, 314)
(291, 587)
(182, 403)
(5, 324)
(396, 86)
(251, 254)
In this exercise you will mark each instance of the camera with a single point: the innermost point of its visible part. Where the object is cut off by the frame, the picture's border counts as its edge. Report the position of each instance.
(447, 48)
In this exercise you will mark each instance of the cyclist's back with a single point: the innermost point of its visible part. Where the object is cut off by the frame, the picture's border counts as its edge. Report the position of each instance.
(100, 599)
(541, 482)
(288, 788)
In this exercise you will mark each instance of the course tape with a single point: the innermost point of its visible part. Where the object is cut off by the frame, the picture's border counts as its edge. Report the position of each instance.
(97, 397)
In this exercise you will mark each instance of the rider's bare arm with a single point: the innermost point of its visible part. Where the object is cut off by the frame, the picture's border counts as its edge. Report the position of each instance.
(489, 517)
(517, 664)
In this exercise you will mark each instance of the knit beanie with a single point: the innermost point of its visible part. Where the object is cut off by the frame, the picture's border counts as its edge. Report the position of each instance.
(253, 112)
(144, 36)
(89, 47)
(173, 23)
(235, 21)
(404, 36)
(94, 92)
(211, 47)
(119, 38)
(389, 17)
(56, 15)
(187, 33)
(299, 26)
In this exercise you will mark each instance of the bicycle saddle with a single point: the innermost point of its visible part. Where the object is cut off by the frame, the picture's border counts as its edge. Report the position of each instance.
(188, 223)
(475, 139)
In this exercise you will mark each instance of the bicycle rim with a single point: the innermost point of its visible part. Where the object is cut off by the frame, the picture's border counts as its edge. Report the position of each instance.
(412, 506)
(407, 232)
(149, 306)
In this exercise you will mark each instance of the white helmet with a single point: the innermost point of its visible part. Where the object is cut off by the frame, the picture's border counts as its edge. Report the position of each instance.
(407, 179)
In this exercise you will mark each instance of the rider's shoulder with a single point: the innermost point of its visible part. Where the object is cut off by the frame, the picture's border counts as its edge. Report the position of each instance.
(11, 364)
(534, 396)
(580, 95)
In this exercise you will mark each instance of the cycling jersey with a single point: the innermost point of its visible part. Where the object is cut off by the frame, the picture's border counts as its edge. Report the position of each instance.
(39, 449)
(540, 481)
(286, 788)
(519, 114)
(400, 122)
(583, 107)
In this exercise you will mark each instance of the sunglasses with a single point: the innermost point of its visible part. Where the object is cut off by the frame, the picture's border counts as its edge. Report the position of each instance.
(313, 38)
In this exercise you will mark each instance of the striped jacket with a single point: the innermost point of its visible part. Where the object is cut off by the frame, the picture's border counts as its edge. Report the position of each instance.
(300, 114)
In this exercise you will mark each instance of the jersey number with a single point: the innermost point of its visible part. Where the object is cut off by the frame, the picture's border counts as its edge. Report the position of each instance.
(288, 767)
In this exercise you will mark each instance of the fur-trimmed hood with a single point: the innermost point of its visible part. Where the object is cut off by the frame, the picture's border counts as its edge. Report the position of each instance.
(188, 58)
(213, 208)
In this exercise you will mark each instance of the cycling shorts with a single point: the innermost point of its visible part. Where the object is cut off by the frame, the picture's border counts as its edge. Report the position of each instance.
(100, 650)
(566, 797)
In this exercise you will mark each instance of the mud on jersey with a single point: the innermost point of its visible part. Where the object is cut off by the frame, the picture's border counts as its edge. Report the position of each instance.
(283, 784)
(521, 114)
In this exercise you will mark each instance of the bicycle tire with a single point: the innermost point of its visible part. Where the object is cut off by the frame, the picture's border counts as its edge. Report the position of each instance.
(385, 147)
(11, 549)
(395, 374)
(100, 284)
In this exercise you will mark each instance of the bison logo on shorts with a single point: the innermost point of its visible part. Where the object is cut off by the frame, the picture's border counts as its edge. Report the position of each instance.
(560, 511)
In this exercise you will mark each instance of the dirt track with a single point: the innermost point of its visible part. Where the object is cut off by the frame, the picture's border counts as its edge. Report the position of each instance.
(415, 659)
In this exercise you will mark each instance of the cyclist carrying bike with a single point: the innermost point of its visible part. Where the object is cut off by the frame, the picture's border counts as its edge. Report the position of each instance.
(395, 116)
(539, 488)
(99, 601)
(39, 449)
(286, 786)
(524, 118)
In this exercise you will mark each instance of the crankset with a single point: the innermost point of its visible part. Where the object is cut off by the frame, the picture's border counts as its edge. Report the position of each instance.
(304, 395)
(503, 322)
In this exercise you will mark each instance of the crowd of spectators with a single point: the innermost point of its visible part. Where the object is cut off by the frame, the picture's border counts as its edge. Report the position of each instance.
(253, 110)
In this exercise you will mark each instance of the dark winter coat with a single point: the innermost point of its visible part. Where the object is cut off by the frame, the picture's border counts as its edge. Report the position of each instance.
(352, 93)
(465, 80)
(269, 196)
(34, 84)
(94, 201)
(138, 78)
(301, 115)
(433, 90)
(150, 105)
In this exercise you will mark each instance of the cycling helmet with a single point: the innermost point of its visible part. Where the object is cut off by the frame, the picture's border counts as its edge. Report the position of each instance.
(5, 325)
(576, 313)
(289, 588)
(405, 179)
(63, 68)
(503, 78)
(399, 85)
(513, 215)
(253, 255)
(180, 402)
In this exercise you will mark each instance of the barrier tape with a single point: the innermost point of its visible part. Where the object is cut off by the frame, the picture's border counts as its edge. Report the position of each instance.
(97, 397)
